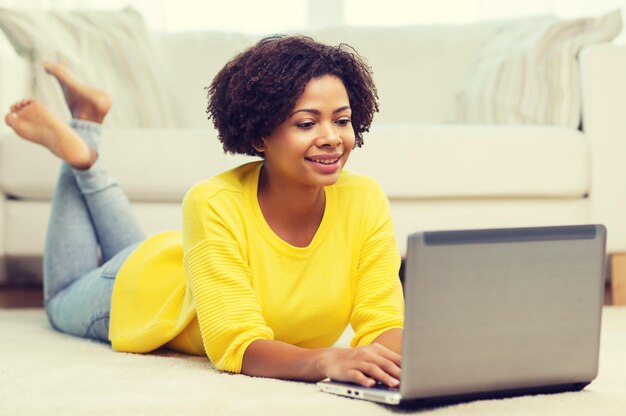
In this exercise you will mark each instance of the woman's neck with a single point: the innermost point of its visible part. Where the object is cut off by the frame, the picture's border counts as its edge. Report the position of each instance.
(293, 213)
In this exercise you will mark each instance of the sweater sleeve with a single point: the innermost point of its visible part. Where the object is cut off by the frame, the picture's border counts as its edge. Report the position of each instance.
(378, 301)
(228, 310)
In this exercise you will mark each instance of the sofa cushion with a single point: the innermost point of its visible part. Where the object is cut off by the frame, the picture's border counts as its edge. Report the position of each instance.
(157, 165)
(527, 73)
(438, 161)
(413, 85)
(424, 73)
(110, 49)
(417, 69)
(475, 161)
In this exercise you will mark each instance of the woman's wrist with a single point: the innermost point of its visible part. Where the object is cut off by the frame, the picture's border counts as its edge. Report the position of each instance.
(321, 360)
(276, 359)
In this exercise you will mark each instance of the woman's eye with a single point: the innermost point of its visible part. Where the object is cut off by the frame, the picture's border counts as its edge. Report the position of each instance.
(305, 124)
(343, 121)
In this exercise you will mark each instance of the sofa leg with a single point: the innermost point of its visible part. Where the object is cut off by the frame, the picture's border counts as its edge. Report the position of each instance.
(618, 278)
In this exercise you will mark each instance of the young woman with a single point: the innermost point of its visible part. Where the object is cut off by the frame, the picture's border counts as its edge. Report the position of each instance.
(276, 257)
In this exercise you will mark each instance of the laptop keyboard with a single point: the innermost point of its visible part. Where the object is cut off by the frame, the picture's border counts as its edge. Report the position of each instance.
(382, 386)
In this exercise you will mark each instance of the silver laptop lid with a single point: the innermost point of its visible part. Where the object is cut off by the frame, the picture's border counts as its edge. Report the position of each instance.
(491, 310)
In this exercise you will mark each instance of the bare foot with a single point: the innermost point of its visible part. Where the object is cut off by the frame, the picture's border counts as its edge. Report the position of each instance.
(31, 120)
(85, 102)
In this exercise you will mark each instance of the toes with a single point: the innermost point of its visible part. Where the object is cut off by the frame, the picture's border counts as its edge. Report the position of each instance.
(10, 119)
(18, 106)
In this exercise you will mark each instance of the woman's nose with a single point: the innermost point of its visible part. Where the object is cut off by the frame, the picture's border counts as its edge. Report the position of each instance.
(329, 137)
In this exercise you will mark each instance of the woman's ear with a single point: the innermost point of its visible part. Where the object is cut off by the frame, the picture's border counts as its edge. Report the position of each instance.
(259, 145)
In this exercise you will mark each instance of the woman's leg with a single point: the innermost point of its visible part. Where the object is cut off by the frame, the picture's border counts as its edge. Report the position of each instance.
(113, 219)
(71, 243)
(77, 291)
(83, 308)
(90, 210)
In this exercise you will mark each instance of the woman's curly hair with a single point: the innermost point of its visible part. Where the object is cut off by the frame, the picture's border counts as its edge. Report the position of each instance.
(256, 91)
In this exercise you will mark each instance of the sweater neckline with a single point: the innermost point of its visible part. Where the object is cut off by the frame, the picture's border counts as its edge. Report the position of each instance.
(269, 234)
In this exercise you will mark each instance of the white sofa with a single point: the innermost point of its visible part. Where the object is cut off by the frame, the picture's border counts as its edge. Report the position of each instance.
(437, 174)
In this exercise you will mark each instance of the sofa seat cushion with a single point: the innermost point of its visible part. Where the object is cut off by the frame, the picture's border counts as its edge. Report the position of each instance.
(476, 161)
(157, 165)
(439, 161)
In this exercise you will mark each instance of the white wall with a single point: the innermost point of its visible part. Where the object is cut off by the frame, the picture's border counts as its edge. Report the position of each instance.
(271, 16)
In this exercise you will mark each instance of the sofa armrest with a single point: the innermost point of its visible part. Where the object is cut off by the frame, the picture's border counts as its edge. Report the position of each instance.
(603, 83)
(3, 276)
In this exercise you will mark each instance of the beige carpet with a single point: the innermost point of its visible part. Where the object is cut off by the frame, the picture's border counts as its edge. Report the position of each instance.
(43, 372)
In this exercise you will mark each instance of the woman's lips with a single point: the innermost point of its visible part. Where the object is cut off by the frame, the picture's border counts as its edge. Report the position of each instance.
(325, 164)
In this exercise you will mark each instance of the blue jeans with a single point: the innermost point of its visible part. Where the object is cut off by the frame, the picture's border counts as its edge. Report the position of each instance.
(92, 230)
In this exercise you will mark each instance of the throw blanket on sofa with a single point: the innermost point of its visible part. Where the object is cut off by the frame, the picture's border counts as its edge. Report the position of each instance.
(108, 49)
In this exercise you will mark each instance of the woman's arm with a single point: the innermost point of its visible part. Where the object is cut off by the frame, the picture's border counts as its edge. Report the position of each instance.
(362, 365)
(378, 310)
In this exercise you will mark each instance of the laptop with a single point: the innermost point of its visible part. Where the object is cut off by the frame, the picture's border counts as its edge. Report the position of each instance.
(497, 313)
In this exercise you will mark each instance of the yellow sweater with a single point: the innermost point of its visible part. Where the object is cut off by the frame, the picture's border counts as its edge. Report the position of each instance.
(230, 280)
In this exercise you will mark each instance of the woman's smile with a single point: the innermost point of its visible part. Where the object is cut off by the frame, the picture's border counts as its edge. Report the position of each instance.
(325, 164)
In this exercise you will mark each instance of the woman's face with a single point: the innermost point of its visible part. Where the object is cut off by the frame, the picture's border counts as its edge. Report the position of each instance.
(311, 147)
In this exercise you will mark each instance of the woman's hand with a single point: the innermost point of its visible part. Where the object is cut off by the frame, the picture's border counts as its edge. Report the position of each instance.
(362, 365)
